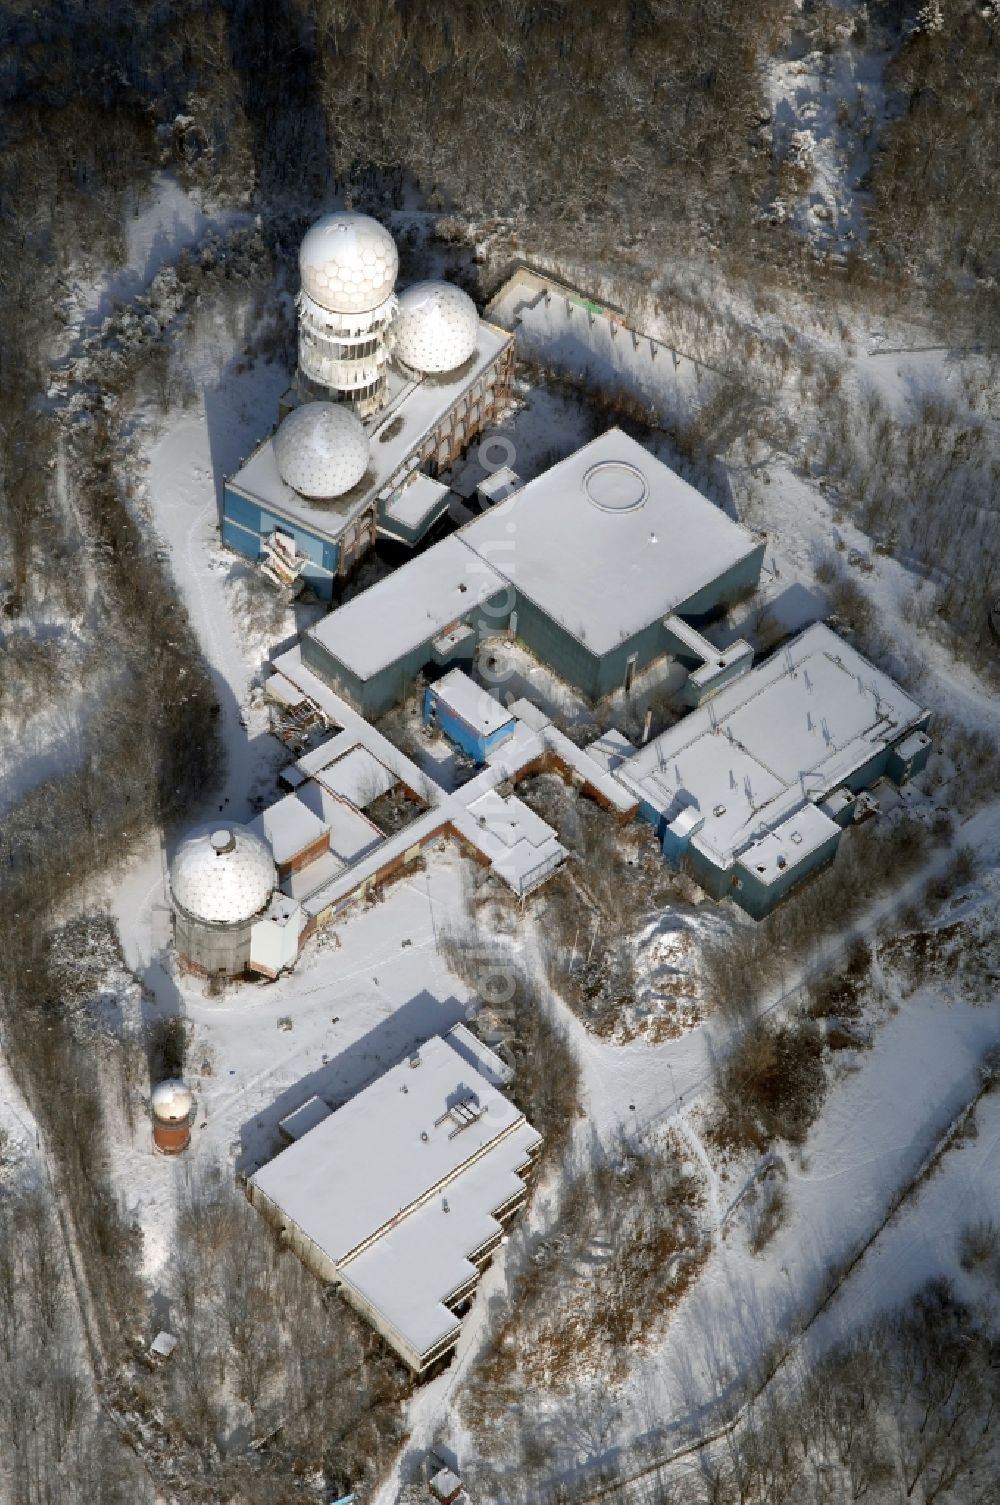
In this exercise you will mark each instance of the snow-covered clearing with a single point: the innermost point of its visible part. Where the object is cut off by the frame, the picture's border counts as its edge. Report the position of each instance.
(163, 222)
(360, 997)
(828, 102)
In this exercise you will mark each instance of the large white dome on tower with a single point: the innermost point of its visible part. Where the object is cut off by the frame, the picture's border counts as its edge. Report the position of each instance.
(435, 328)
(321, 449)
(348, 263)
(224, 877)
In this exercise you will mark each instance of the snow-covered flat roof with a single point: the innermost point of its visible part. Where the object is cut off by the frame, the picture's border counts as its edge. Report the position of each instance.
(608, 540)
(409, 1135)
(417, 500)
(358, 777)
(410, 606)
(611, 749)
(312, 1112)
(788, 844)
(289, 827)
(790, 731)
(520, 845)
(409, 1272)
(304, 882)
(352, 834)
(485, 1060)
(414, 411)
(471, 703)
(500, 484)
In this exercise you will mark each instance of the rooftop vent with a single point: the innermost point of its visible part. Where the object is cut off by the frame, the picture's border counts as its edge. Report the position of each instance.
(463, 1115)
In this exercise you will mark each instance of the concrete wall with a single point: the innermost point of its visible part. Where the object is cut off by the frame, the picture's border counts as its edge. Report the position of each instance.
(599, 675)
(900, 769)
(739, 580)
(312, 1256)
(216, 950)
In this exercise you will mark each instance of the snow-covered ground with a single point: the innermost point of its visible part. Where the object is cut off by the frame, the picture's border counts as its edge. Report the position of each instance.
(248, 1072)
(365, 990)
(361, 996)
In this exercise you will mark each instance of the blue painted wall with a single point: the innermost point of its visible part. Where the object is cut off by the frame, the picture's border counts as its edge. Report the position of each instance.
(472, 743)
(672, 846)
(246, 523)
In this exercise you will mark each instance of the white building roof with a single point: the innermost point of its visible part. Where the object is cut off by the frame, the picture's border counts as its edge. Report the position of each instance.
(485, 1060)
(611, 749)
(352, 834)
(410, 606)
(520, 845)
(396, 433)
(471, 703)
(608, 540)
(582, 762)
(289, 827)
(412, 1269)
(788, 844)
(358, 777)
(310, 1113)
(790, 731)
(499, 484)
(413, 1135)
(417, 500)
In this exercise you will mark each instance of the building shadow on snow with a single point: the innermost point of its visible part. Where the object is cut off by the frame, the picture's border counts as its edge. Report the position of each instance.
(344, 1075)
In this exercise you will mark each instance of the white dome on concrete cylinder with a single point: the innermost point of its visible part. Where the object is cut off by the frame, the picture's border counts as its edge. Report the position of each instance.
(321, 449)
(171, 1101)
(435, 328)
(224, 877)
(348, 263)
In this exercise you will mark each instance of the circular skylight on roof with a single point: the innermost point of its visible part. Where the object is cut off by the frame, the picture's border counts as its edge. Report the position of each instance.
(615, 486)
(321, 450)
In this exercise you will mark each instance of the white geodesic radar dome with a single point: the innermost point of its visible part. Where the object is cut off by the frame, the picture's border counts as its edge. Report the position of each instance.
(171, 1101)
(321, 449)
(224, 877)
(436, 327)
(348, 263)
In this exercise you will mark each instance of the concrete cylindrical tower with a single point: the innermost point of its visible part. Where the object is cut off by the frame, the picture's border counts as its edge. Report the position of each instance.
(220, 884)
(347, 264)
(172, 1105)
